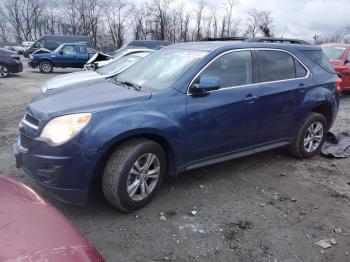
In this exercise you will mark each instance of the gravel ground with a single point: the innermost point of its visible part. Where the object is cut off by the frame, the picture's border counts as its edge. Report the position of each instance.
(266, 207)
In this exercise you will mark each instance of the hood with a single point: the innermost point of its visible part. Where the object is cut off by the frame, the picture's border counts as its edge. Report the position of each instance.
(42, 51)
(88, 96)
(33, 230)
(71, 78)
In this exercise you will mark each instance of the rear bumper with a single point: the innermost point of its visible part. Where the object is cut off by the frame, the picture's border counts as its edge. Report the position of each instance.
(67, 178)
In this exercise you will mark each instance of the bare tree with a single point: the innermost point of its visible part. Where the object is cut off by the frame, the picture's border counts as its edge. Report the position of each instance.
(265, 23)
(252, 23)
(160, 20)
(199, 20)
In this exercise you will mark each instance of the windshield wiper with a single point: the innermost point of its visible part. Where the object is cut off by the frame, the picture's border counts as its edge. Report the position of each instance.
(129, 85)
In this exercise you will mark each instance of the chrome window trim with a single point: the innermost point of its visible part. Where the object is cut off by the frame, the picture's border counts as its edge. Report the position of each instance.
(252, 84)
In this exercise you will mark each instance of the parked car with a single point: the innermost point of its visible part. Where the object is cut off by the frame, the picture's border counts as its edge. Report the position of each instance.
(116, 66)
(95, 64)
(339, 55)
(185, 106)
(66, 55)
(33, 230)
(9, 63)
(51, 42)
(141, 44)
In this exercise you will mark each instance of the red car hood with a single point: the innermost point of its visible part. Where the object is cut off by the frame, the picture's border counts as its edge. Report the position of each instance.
(32, 230)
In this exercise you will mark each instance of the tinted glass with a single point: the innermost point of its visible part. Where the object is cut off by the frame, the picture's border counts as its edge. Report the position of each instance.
(275, 65)
(333, 52)
(233, 69)
(319, 58)
(69, 49)
(300, 70)
(82, 49)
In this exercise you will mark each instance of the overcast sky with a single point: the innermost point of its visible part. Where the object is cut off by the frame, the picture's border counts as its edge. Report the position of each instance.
(303, 18)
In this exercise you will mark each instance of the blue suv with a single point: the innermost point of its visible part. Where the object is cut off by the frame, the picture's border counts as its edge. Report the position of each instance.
(183, 107)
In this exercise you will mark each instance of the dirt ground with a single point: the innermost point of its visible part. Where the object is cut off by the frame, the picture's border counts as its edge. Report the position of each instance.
(266, 207)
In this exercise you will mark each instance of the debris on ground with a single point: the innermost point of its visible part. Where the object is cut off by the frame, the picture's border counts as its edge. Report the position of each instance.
(283, 174)
(337, 146)
(262, 205)
(326, 243)
(338, 230)
(193, 212)
(170, 213)
(162, 216)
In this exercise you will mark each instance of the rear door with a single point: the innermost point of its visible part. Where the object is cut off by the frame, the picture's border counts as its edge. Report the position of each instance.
(83, 55)
(283, 83)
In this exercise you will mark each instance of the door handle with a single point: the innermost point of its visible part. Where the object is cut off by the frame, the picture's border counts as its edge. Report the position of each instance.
(301, 88)
(250, 98)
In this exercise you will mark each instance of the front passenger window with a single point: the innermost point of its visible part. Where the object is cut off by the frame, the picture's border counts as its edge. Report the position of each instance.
(69, 49)
(233, 69)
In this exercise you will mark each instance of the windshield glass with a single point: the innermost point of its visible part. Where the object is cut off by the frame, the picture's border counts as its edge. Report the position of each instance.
(162, 69)
(121, 63)
(333, 52)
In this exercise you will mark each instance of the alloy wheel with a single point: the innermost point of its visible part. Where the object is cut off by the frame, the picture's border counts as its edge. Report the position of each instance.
(4, 72)
(313, 137)
(46, 67)
(143, 176)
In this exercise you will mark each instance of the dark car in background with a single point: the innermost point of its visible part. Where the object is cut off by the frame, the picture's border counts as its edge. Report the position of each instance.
(339, 56)
(183, 107)
(9, 63)
(33, 230)
(51, 42)
(66, 55)
(137, 44)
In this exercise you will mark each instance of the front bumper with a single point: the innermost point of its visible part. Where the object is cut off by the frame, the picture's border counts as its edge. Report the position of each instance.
(33, 63)
(16, 67)
(67, 178)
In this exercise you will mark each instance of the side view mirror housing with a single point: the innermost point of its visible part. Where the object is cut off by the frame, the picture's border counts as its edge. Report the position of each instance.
(207, 83)
(60, 52)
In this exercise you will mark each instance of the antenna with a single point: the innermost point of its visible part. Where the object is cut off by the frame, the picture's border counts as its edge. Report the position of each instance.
(285, 29)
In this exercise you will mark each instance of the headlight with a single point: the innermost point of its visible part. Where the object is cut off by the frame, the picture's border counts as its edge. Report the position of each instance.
(63, 128)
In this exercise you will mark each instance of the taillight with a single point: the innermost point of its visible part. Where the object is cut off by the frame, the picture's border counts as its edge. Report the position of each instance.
(338, 85)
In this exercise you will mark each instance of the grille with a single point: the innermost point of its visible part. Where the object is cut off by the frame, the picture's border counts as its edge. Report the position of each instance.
(25, 141)
(31, 119)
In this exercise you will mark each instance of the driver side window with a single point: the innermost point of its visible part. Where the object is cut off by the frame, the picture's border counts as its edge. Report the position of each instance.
(233, 69)
(69, 49)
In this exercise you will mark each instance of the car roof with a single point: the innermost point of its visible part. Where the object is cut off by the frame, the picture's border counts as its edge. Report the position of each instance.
(3, 50)
(336, 44)
(210, 46)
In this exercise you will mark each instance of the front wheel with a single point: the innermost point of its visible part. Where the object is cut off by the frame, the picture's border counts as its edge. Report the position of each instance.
(310, 137)
(4, 71)
(133, 174)
(46, 67)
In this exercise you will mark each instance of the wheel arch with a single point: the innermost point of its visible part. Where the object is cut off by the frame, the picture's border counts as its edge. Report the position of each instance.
(169, 150)
(324, 109)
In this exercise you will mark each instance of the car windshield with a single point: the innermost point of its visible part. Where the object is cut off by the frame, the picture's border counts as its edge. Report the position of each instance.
(333, 52)
(162, 69)
(121, 63)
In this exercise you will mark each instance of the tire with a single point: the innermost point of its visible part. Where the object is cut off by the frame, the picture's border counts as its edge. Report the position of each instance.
(120, 174)
(314, 121)
(4, 71)
(46, 67)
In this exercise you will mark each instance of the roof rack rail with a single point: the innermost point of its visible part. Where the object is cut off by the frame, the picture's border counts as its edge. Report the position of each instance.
(278, 40)
(228, 38)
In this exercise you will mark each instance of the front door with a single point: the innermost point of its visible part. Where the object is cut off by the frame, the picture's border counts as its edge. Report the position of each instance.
(224, 120)
(67, 56)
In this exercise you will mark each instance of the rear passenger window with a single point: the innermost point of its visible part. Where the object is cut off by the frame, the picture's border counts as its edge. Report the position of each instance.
(82, 49)
(275, 65)
(233, 69)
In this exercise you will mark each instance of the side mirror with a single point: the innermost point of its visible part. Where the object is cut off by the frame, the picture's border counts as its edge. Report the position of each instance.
(207, 83)
(61, 52)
